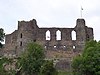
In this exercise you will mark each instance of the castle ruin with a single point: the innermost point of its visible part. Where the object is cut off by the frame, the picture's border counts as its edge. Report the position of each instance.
(63, 49)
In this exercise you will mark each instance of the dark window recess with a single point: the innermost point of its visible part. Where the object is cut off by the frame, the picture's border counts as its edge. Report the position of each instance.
(34, 40)
(88, 36)
(21, 43)
(21, 35)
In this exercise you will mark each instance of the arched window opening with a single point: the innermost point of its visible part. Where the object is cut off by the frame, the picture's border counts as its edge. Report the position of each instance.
(73, 35)
(58, 35)
(21, 35)
(48, 35)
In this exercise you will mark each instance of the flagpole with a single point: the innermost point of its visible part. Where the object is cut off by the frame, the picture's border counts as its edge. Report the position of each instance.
(81, 11)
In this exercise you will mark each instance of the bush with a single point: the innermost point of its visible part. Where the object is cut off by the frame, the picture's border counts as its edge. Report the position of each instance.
(48, 68)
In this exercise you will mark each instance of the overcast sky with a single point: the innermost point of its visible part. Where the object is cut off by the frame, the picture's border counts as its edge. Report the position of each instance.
(50, 13)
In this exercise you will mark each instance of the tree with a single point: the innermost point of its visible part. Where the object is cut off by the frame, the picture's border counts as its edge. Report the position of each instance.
(32, 59)
(3, 69)
(89, 62)
(2, 34)
(48, 68)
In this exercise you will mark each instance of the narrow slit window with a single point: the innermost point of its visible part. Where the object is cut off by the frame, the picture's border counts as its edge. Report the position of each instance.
(74, 47)
(21, 43)
(64, 46)
(21, 35)
(54, 46)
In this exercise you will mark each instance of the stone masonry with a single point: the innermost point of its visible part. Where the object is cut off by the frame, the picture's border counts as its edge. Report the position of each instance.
(61, 50)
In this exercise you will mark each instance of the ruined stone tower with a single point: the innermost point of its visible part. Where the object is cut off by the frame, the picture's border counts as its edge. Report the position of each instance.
(63, 49)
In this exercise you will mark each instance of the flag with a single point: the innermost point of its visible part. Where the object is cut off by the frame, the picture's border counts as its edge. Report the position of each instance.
(81, 8)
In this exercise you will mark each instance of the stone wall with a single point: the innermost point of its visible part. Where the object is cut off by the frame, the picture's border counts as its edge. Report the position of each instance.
(63, 48)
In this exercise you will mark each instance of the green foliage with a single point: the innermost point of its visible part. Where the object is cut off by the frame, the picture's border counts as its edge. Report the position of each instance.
(32, 59)
(3, 61)
(48, 68)
(89, 62)
(2, 34)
